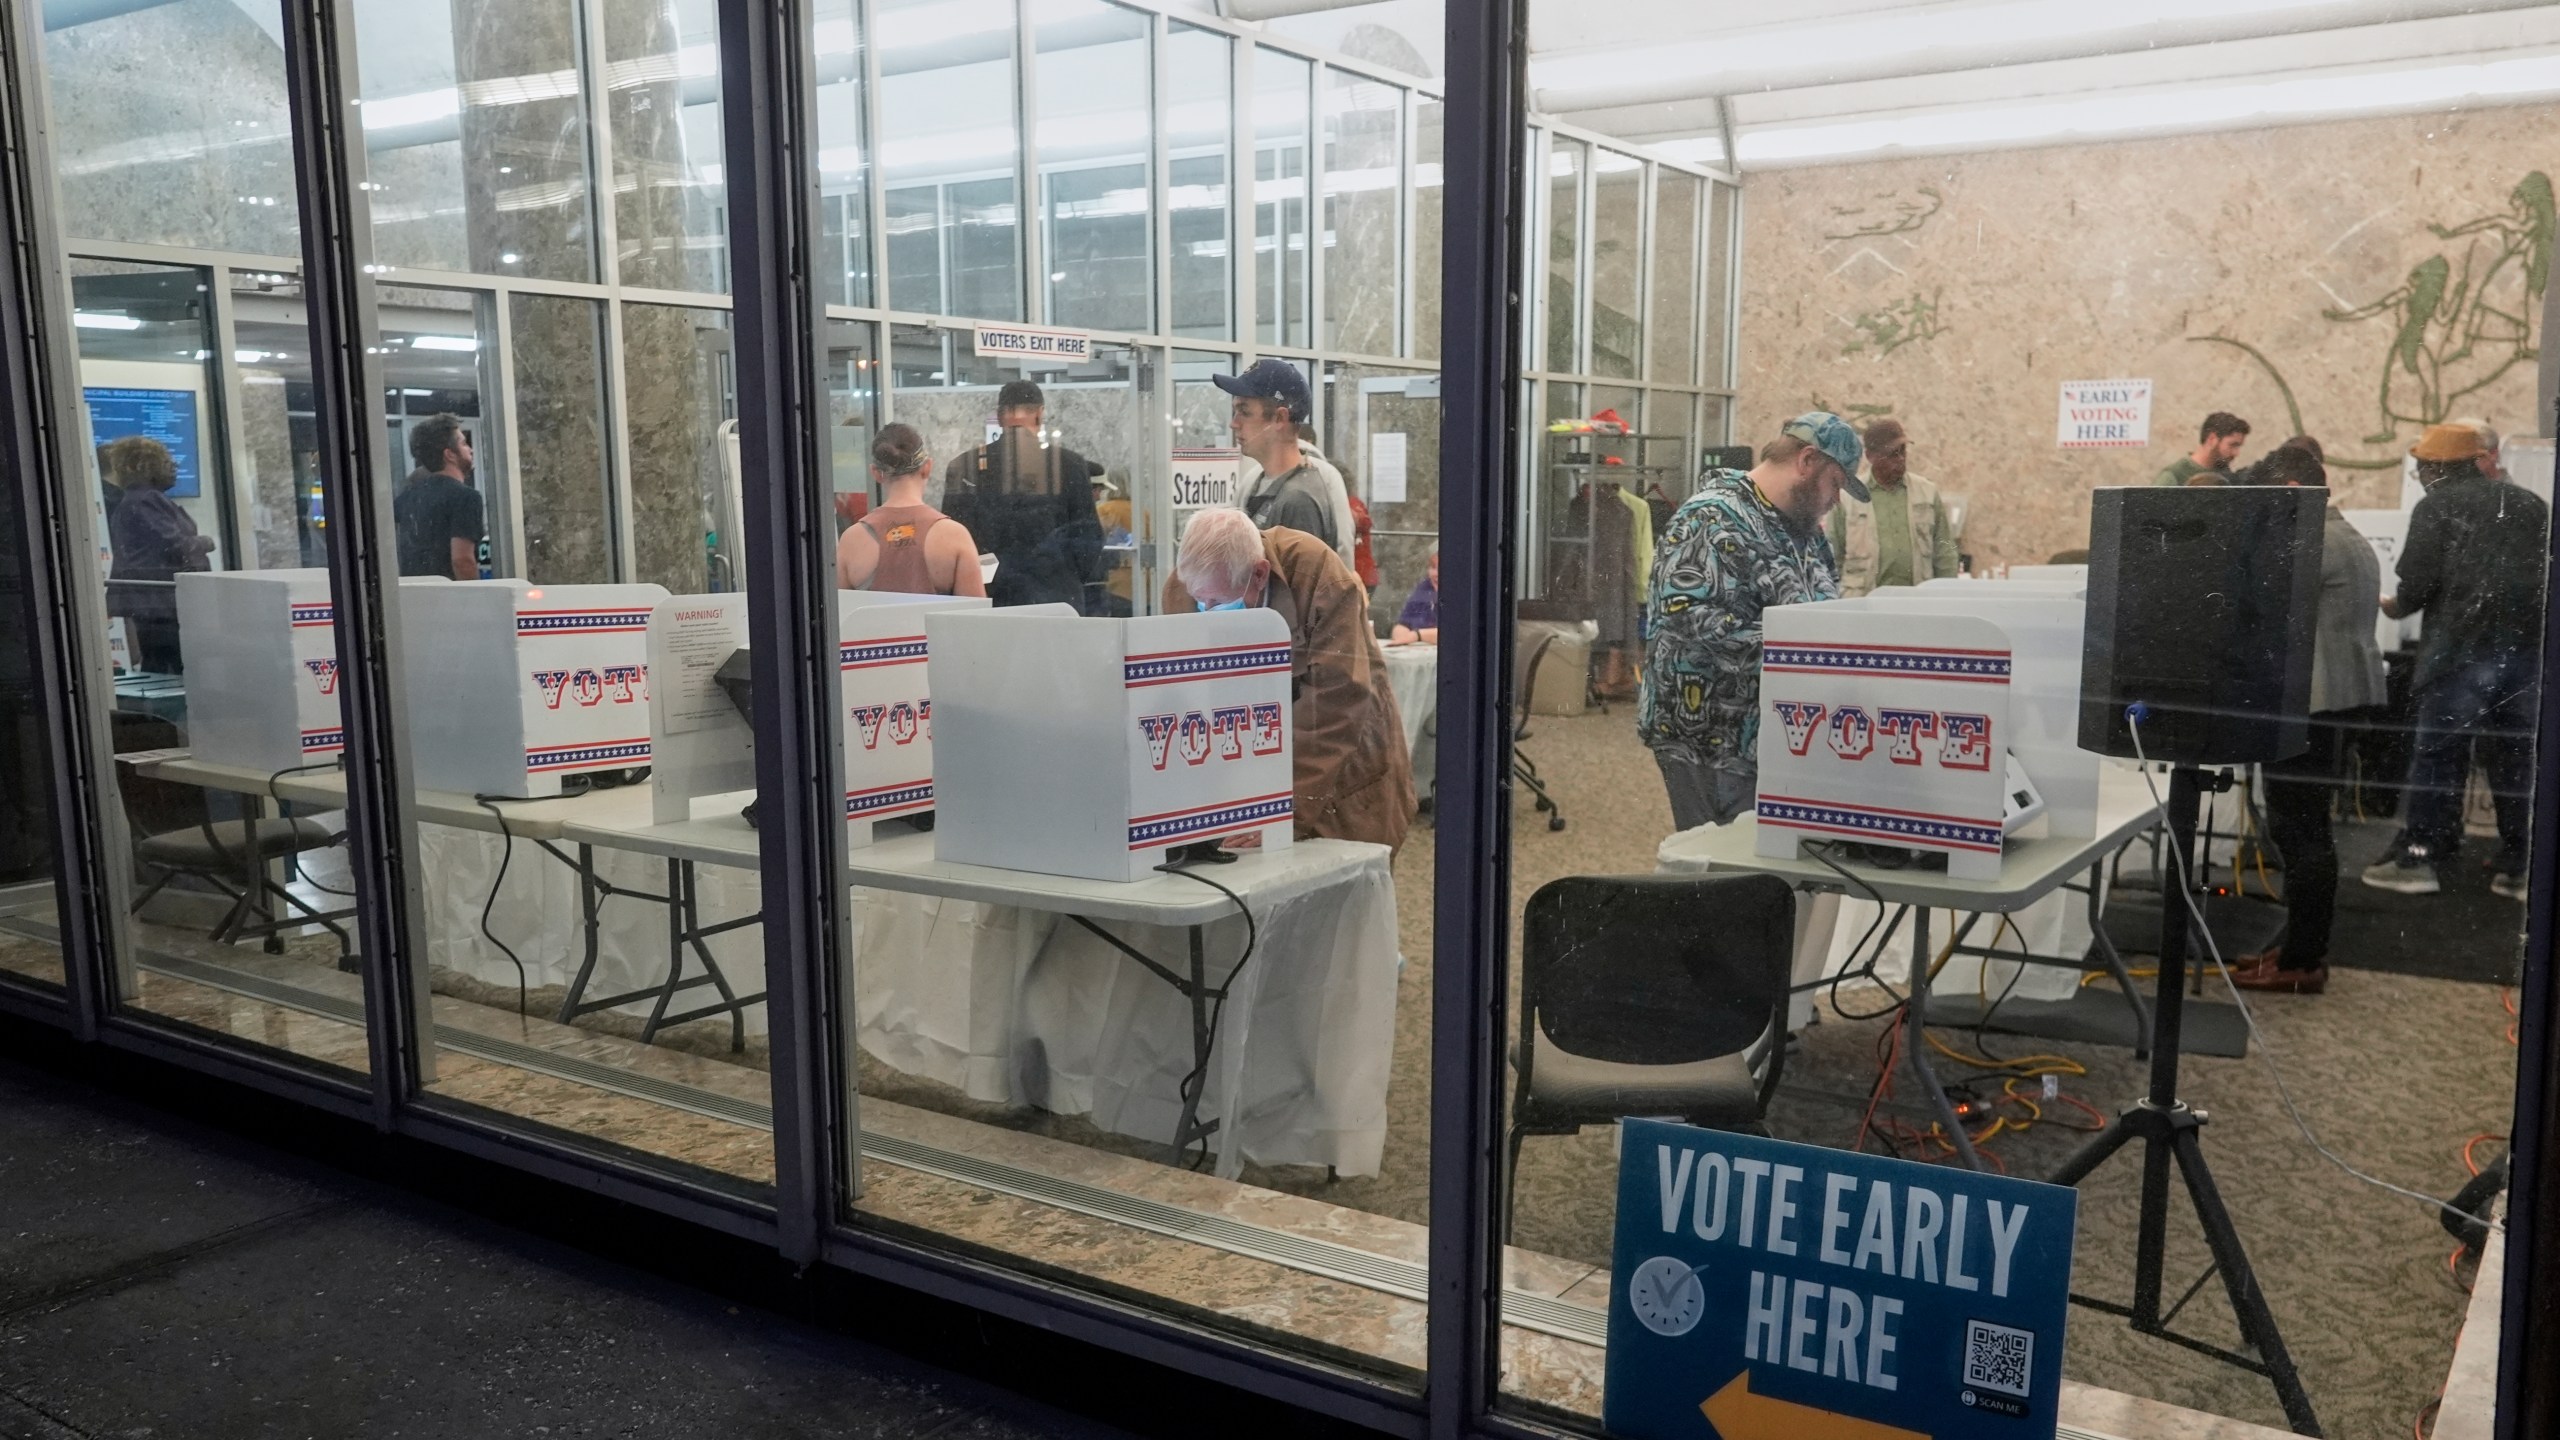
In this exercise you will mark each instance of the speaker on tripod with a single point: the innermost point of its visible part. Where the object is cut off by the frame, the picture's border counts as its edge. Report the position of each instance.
(2202, 604)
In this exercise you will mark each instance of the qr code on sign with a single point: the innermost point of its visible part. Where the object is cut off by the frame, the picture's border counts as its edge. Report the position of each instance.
(1997, 1357)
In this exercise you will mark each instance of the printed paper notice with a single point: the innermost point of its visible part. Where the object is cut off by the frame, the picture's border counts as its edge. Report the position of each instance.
(2104, 415)
(697, 638)
(1386, 468)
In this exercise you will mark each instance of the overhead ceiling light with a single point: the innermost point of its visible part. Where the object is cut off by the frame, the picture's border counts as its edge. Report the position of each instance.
(100, 320)
(2230, 105)
(443, 342)
(248, 357)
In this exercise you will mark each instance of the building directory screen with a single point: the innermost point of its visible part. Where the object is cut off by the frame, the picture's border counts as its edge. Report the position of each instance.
(168, 416)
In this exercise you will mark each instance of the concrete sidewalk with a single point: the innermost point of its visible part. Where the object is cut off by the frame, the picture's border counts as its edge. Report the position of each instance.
(162, 1278)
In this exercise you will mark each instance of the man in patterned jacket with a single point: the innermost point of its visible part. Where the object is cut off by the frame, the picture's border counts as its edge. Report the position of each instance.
(1744, 542)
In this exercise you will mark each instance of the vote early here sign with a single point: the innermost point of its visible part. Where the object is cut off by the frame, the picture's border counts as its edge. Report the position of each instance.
(1763, 1290)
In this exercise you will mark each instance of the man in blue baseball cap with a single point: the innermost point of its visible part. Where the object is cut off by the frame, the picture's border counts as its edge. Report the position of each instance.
(1743, 541)
(1271, 402)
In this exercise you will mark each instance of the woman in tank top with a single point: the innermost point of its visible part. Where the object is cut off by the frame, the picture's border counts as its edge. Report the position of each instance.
(905, 545)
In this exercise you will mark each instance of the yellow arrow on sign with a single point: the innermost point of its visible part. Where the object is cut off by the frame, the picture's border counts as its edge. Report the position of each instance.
(1738, 1414)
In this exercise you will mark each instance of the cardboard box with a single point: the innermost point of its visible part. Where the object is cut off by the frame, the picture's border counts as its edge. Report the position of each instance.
(261, 650)
(513, 687)
(1090, 747)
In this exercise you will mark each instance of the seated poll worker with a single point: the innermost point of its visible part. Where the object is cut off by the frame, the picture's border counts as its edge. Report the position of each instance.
(1746, 540)
(2346, 681)
(1354, 778)
(903, 544)
(1420, 619)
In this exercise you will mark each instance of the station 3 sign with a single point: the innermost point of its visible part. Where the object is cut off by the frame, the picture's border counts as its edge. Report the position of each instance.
(1768, 1291)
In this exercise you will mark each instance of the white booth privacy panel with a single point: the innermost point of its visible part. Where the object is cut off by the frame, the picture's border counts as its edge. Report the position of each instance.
(1884, 729)
(514, 687)
(888, 706)
(1091, 747)
(261, 650)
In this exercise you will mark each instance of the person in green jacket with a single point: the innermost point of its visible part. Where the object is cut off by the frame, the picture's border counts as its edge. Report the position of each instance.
(2218, 443)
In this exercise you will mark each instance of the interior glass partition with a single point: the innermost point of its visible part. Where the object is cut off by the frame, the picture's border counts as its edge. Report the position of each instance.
(844, 155)
(950, 157)
(662, 108)
(1095, 83)
(1283, 273)
(1617, 264)
(476, 138)
(1565, 162)
(1200, 141)
(1363, 213)
(1672, 277)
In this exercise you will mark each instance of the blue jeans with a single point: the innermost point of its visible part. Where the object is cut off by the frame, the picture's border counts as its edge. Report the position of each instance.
(2491, 700)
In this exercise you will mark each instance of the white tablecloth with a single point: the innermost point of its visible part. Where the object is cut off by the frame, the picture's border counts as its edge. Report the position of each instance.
(1413, 673)
(1014, 1006)
(1006, 1004)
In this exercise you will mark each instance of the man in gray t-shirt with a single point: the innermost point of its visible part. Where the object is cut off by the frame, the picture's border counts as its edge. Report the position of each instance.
(1270, 402)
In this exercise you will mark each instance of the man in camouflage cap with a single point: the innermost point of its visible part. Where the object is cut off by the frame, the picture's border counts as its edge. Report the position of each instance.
(1746, 540)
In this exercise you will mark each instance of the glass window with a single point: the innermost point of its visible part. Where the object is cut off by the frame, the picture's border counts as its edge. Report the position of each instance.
(662, 102)
(562, 464)
(1715, 365)
(679, 381)
(1429, 125)
(1617, 264)
(844, 156)
(191, 146)
(225, 887)
(1199, 138)
(1565, 161)
(1707, 729)
(950, 154)
(1095, 81)
(476, 139)
(1281, 274)
(437, 349)
(1674, 268)
(1363, 212)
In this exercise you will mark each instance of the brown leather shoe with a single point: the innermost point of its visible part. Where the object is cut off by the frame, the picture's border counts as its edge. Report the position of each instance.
(2276, 981)
(2264, 960)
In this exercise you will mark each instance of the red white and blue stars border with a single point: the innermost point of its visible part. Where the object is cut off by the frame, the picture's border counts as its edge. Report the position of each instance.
(871, 654)
(1222, 662)
(1146, 831)
(588, 755)
(1909, 827)
(333, 738)
(884, 800)
(306, 614)
(582, 622)
(1903, 662)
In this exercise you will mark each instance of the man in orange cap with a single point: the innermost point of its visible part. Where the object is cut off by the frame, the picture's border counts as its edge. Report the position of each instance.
(2473, 566)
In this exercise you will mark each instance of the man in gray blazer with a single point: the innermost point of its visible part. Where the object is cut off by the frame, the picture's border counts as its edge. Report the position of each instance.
(2346, 679)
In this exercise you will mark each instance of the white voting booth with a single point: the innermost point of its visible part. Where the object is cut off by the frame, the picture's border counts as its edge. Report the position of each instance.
(261, 651)
(705, 747)
(888, 709)
(1893, 719)
(513, 686)
(1147, 734)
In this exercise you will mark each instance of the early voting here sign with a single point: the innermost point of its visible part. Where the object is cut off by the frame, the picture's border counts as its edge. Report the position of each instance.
(1763, 1290)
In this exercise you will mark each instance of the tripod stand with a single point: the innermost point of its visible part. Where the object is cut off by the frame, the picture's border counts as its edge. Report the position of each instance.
(2169, 1131)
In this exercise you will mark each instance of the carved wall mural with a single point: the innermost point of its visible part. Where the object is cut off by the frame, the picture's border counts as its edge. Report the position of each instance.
(2354, 280)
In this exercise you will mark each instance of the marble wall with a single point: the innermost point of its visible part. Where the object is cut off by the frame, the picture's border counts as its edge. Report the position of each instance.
(2354, 279)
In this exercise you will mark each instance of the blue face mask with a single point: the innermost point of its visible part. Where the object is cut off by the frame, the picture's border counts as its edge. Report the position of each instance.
(1235, 604)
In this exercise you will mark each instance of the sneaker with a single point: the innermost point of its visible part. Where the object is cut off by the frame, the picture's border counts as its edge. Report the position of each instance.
(2410, 870)
(2508, 884)
(2275, 980)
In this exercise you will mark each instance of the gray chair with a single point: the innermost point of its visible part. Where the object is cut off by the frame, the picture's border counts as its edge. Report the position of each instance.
(1650, 995)
(1523, 769)
(233, 857)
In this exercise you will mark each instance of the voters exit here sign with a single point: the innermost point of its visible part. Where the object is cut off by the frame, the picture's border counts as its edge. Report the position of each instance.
(1763, 1290)
(2104, 415)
